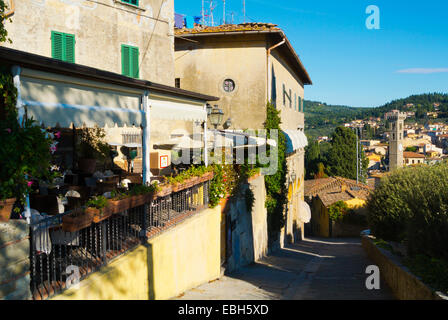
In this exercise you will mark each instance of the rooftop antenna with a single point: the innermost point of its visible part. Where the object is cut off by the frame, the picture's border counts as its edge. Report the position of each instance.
(203, 13)
(224, 12)
(244, 10)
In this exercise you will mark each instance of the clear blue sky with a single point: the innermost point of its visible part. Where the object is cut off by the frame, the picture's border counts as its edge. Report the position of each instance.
(349, 64)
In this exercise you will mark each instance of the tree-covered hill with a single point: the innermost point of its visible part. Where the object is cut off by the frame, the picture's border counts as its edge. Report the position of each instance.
(321, 119)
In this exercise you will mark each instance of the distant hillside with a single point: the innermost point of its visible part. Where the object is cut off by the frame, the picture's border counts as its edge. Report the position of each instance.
(321, 119)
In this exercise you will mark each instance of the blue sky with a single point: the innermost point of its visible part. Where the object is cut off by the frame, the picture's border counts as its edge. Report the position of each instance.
(348, 63)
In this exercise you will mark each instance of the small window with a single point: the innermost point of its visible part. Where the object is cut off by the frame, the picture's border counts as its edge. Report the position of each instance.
(229, 85)
(177, 83)
(133, 2)
(63, 46)
(129, 61)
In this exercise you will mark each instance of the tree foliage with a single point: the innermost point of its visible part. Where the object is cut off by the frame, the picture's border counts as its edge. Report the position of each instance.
(342, 157)
(3, 32)
(412, 205)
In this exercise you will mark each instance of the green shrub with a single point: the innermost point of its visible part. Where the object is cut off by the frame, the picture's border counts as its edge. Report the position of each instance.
(412, 205)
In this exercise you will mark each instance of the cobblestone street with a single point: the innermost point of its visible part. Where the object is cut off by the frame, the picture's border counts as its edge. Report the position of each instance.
(314, 269)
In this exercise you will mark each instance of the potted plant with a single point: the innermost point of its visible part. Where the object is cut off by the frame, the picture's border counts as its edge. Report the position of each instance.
(119, 201)
(77, 220)
(25, 153)
(91, 147)
(98, 207)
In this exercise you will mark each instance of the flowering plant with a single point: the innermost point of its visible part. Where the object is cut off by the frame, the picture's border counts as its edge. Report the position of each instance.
(26, 149)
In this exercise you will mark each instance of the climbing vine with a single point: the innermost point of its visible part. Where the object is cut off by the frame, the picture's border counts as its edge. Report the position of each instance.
(276, 189)
(3, 32)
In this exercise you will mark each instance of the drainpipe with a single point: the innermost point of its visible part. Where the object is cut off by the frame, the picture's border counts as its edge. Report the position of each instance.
(146, 139)
(268, 65)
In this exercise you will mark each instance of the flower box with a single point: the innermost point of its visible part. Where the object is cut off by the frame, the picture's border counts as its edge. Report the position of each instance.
(165, 190)
(6, 208)
(206, 177)
(118, 206)
(140, 200)
(99, 214)
(77, 220)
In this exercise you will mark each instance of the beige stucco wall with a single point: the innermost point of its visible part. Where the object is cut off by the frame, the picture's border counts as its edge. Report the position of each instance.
(292, 119)
(205, 67)
(100, 28)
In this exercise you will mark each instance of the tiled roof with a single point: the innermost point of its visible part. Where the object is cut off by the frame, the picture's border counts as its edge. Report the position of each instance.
(329, 190)
(229, 28)
(413, 155)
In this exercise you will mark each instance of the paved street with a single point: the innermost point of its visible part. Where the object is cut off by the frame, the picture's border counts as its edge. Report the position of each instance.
(314, 269)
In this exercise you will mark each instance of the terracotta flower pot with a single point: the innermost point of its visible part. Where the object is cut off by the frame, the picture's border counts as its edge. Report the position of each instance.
(6, 208)
(77, 220)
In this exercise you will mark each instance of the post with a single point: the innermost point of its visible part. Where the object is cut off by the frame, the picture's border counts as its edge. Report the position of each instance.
(16, 70)
(205, 144)
(146, 139)
(357, 157)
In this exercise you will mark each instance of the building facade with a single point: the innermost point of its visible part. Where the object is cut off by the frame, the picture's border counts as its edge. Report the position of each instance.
(133, 38)
(246, 66)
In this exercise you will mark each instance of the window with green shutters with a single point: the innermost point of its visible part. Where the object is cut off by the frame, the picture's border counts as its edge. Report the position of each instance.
(133, 2)
(63, 46)
(300, 103)
(129, 61)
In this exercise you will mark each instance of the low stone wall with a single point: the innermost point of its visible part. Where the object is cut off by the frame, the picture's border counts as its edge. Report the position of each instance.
(346, 230)
(169, 264)
(403, 283)
(14, 260)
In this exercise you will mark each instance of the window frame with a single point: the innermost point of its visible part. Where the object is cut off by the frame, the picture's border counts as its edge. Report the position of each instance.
(129, 2)
(64, 46)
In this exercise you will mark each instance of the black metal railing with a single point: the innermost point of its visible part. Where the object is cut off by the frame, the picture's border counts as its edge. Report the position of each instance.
(55, 254)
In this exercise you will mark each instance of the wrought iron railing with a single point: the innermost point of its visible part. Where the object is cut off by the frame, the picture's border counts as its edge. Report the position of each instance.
(57, 256)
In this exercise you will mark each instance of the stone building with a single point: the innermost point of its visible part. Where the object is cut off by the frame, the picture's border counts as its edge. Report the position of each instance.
(133, 38)
(246, 66)
(396, 130)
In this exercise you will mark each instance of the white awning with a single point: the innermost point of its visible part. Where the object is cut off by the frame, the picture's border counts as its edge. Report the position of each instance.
(64, 115)
(295, 140)
(304, 212)
(237, 139)
(176, 110)
(59, 100)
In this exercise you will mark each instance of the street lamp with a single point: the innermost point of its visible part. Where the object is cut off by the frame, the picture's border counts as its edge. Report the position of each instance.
(209, 109)
(216, 116)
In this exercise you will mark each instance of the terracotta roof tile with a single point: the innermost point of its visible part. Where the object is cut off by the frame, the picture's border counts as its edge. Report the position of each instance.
(229, 28)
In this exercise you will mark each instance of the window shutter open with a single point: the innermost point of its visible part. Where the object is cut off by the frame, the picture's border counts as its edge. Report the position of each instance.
(57, 45)
(69, 48)
(134, 59)
(125, 59)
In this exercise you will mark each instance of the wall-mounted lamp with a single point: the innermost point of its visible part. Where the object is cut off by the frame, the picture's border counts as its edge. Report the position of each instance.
(216, 116)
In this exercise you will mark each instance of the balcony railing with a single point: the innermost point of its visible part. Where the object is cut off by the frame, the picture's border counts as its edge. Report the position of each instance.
(58, 256)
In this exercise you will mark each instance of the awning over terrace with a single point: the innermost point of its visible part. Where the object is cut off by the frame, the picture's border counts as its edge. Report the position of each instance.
(59, 100)
(295, 140)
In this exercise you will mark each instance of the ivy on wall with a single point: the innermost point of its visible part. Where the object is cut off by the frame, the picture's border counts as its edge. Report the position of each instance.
(276, 189)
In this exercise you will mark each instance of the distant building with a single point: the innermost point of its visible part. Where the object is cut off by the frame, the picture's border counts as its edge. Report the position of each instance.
(321, 194)
(413, 158)
(396, 128)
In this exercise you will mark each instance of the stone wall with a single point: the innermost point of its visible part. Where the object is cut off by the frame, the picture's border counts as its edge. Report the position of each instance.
(249, 227)
(14, 261)
(403, 283)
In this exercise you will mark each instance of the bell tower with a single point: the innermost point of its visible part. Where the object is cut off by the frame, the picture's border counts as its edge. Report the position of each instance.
(396, 136)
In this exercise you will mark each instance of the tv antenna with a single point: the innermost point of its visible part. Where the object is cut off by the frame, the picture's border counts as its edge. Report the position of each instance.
(244, 10)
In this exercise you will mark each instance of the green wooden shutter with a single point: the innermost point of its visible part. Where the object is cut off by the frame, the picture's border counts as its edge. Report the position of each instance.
(69, 48)
(125, 61)
(303, 105)
(300, 103)
(57, 44)
(134, 62)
